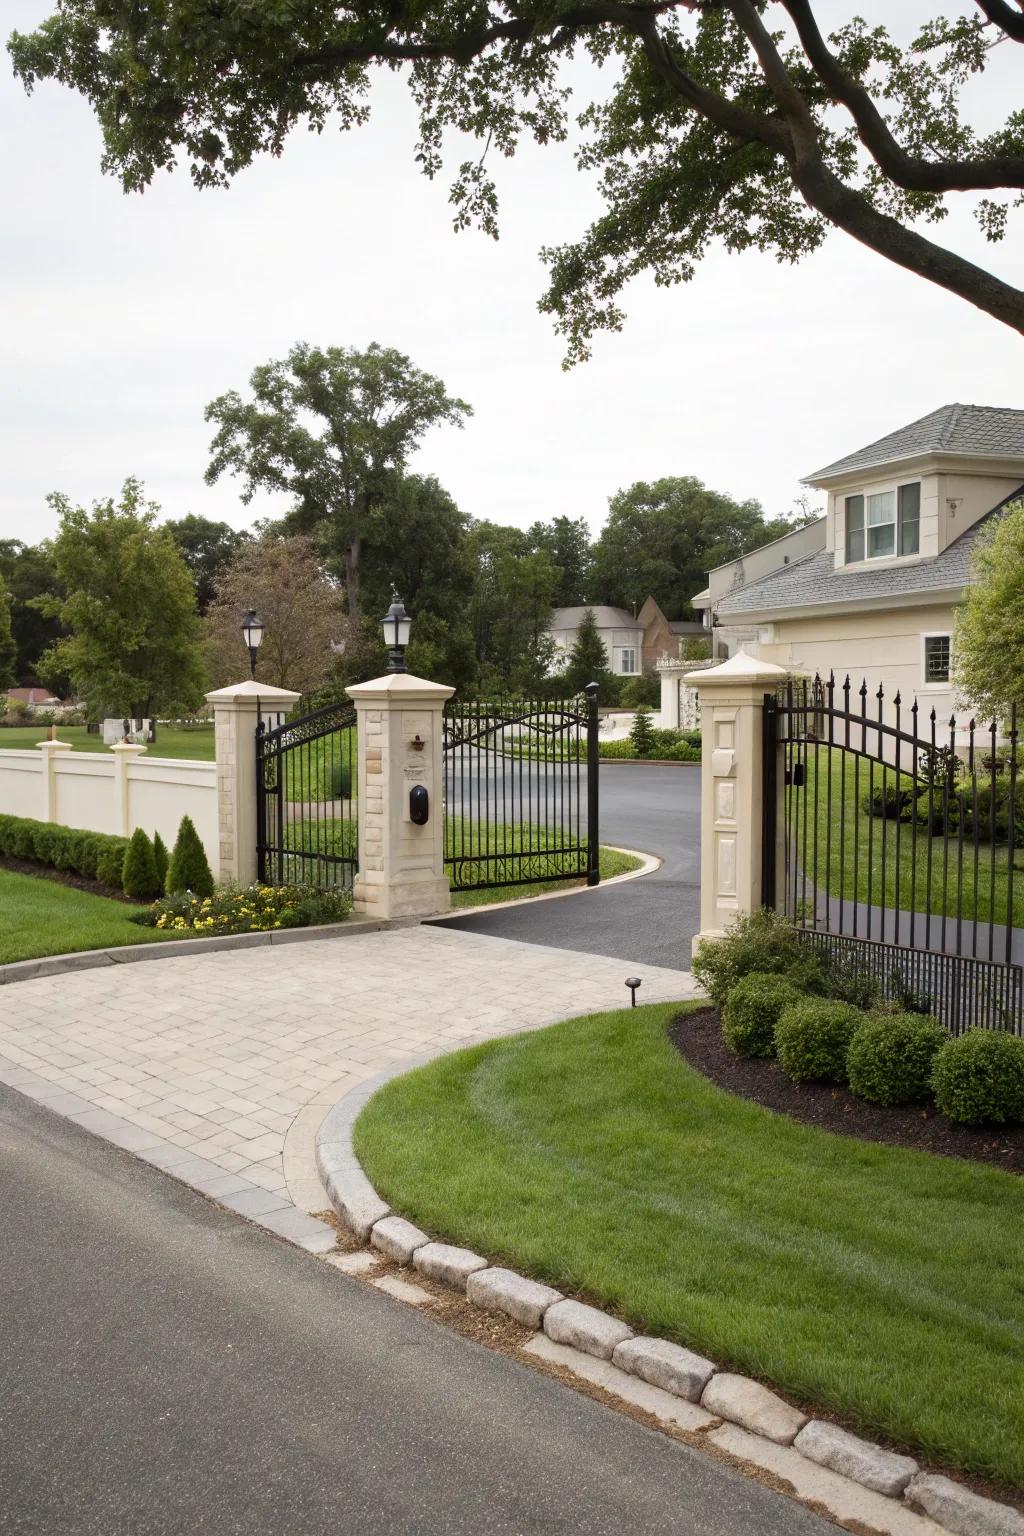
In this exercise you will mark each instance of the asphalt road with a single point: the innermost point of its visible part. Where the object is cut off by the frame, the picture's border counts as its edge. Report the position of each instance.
(167, 1368)
(652, 807)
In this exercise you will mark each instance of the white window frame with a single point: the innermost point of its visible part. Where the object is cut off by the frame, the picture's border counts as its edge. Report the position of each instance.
(947, 684)
(632, 651)
(892, 489)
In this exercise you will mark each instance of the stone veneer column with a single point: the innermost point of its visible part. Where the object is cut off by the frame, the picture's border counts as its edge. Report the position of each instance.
(401, 738)
(236, 711)
(732, 788)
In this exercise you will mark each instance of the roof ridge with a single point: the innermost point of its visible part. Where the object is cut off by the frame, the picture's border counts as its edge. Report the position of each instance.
(952, 422)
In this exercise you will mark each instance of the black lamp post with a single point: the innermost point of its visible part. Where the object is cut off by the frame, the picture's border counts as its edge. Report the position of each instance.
(632, 982)
(252, 632)
(396, 624)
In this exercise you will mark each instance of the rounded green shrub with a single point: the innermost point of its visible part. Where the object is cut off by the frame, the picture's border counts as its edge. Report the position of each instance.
(86, 853)
(189, 868)
(891, 1057)
(162, 859)
(978, 1079)
(812, 1037)
(761, 941)
(752, 1011)
(110, 861)
(43, 841)
(138, 876)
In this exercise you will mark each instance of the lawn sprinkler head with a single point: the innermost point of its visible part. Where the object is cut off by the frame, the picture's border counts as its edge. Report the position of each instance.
(632, 982)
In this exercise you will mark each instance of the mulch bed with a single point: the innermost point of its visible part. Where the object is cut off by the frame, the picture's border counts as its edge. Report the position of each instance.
(698, 1039)
(66, 877)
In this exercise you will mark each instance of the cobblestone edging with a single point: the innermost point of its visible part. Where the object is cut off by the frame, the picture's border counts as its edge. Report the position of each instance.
(855, 1479)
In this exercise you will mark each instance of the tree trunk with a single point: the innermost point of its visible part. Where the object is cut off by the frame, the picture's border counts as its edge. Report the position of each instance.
(353, 560)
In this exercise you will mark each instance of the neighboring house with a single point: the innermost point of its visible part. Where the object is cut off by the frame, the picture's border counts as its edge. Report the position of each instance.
(664, 637)
(34, 698)
(621, 632)
(871, 590)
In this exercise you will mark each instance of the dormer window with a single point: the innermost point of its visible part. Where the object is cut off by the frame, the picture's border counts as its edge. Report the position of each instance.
(884, 523)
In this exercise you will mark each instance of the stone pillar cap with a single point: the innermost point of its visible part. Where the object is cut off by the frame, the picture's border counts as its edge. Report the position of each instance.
(400, 686)
(740, 668)
(253, 692)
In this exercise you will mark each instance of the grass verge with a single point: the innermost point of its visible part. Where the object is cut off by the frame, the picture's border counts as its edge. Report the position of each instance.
(44, 917)
(878, 1283)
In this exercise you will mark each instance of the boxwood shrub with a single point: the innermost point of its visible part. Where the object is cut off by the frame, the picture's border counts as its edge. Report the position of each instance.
(761, 941)
(978, 1079)
(891, 1057)
(66, 848)
(812, 1037)
(752, 1011)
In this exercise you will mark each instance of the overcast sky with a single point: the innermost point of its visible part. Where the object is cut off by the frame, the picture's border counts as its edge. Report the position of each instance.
(123, 316)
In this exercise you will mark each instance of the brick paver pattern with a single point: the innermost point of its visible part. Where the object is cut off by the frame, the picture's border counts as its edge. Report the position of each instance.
(219, 1067)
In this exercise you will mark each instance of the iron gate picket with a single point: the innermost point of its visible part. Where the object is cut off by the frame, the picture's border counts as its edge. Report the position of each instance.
(895, 853)
(521, 791)
(306, 778)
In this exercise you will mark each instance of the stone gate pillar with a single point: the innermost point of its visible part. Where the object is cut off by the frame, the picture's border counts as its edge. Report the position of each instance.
(732, 788)
(401, 737)
(236, 711)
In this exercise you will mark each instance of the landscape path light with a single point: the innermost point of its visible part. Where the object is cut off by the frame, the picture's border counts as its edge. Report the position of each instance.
(632, 982)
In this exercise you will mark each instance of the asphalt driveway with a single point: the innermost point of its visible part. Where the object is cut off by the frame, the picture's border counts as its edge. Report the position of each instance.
(652, 807)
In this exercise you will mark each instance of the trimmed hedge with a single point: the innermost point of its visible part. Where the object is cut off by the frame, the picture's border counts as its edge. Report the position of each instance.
(812, 1038)
(978, 1079)
(752, 1011)
(93, 855)
(891, 1057)
(761, 941)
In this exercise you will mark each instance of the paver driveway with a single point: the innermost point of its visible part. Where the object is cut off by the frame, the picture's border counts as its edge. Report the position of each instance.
(219, 1067)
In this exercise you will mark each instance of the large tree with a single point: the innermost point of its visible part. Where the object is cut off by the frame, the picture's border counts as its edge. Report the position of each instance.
(567, 541)
(207, 549)
(734, 120)
(301, 609)
(662, 537)
(29, 574)
(988, 645)
(333, 429)
(129, 609)
(8, 649)
(510, 609)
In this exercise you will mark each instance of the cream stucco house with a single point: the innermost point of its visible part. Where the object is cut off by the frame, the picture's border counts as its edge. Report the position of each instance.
(621, 633)
(870, 590)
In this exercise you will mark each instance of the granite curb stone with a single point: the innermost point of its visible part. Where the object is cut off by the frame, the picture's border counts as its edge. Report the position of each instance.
(959, 1510)
(442, 1261)
(585, 1328)
(502, 1290)
(861, 1460)
(398, 1238)
(665, 1365)
(747, 1403)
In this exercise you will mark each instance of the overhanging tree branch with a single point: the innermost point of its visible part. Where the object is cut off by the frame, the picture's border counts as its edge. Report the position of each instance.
(1004, 15)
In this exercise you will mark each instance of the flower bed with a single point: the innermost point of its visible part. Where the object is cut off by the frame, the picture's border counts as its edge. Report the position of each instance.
(250, 909)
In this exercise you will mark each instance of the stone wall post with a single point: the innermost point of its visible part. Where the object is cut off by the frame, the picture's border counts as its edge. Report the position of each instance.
(400, 729)
(124, 754)
(48, 808)
(732, 788)
(236, 711)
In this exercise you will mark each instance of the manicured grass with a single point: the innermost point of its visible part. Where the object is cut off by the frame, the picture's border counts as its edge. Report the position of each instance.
(44, 917)
(850, 847)
(878, 1283)
(612, 862)
(171, 741)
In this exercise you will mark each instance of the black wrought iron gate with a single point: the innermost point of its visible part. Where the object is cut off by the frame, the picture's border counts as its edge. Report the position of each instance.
(893, 842)
(306, 787)
(521, 791)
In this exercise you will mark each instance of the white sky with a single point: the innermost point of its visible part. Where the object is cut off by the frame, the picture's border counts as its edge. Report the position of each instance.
(121, 317)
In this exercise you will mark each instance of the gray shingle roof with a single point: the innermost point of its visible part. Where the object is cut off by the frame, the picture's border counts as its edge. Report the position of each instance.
(966, 429)
(605, 617)
(815, 582)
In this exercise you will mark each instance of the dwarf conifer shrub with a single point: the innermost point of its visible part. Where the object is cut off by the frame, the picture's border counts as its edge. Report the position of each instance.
(138, 875)
(641, 733)
(162, 859)
(110, 861)
(978, 1079)
(752, 1011)
(762, 941)
(812, 1037)
(189, 869)
(891, 1057)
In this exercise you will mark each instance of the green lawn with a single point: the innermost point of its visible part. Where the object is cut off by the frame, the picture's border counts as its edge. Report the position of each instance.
(850, 846)
(879, 1284)
(44, 917)
(171, 741)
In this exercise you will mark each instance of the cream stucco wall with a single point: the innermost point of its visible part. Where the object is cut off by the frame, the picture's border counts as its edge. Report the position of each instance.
(950, 504)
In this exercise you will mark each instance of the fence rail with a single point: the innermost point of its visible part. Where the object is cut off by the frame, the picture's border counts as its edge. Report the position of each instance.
(902, 832)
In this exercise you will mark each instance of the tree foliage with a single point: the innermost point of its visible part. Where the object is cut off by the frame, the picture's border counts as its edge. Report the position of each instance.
(661, 539)
(332, 428)
(207, 548)
(8, 648)
(132, 642)
(738, 121)
(28, 572)
(510, 609)
(283, 580)
(567, 541)
(988, 645)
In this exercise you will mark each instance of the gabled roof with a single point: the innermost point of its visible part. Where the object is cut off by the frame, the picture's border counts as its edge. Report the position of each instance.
(971, 430)
(604, 617)
(815, 582)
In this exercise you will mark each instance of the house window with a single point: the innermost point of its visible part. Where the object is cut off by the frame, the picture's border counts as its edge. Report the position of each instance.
(936, 658)
(884, 523)
(627, 659)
